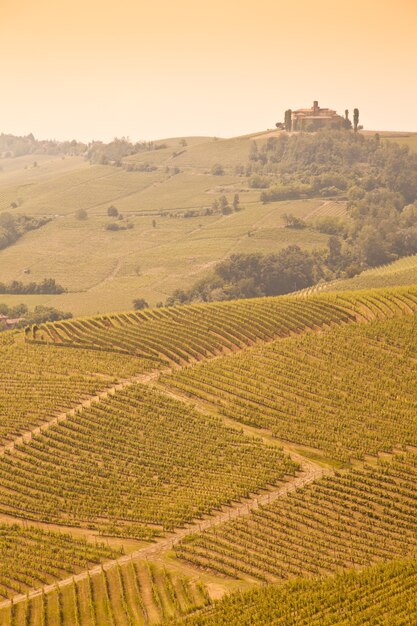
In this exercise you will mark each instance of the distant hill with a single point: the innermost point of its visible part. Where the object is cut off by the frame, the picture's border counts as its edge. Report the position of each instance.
(166, 234)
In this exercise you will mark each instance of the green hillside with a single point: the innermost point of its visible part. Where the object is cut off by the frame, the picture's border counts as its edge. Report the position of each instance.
(105, 270)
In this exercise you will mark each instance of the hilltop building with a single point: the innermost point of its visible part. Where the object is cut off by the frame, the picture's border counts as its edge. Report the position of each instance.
(313, 119)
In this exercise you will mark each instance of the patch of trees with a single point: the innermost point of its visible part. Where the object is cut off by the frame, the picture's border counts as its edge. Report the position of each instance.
(217, 170)
(119, 226)
(254, 275)
(330, 162)
(118, 149)
(121, 223)
(47, 286)
(12, 146)
(222, 205)
(378, 179)
(12, 227)
(39, 315)
(139, 304)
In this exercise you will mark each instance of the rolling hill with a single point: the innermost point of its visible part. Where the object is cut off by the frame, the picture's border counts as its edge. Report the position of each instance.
(173, 241)
(243, 462)
(167, 457)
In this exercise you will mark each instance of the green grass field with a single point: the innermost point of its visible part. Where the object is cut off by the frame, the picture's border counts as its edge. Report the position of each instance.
(105, 270)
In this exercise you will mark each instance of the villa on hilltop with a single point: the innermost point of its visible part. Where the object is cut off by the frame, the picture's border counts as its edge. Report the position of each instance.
(313, 119)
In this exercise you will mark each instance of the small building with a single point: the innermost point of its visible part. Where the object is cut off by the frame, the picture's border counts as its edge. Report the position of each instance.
(12, 323)
(315, 118)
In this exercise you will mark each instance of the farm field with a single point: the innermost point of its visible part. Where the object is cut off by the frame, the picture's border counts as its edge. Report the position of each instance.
(38, 383)
(384, 592)
(172, 455)
(177, 335)
(349, 519)
(364, 369)
(31, 558)
(194, 332)
(105, 270)
(137, 593)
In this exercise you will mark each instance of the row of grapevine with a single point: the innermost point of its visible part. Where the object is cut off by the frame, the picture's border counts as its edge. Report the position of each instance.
(179, 335)
(132, 594)
(350, 519)
(37, 382)
(31, 557)
(338, 391)
(381, 595)
(134, 459)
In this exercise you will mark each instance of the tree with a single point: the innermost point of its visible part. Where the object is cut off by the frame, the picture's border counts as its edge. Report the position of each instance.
(81, 214)
(355, 119)
(224, 205)
(139, 304)
(236, 202)
(291, 221)
(288, 120)
(112, 211)
(217, 170)
(348, 123)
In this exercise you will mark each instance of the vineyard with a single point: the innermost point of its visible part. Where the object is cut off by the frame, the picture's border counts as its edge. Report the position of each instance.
(134, 459)
(337, 391)
(30, 558)
(346, 520)
(180, 335)
(383, 595)
(262, 442)
(40, 382)
(135, 593)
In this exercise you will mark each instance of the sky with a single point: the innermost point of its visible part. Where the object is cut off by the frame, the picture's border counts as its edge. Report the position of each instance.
(149, 69)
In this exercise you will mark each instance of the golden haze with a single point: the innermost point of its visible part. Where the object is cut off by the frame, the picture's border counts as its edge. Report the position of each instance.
(96, 69)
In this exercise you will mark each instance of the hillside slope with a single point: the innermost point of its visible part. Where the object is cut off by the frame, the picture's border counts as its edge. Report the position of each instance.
(164, 194)
(219, 446)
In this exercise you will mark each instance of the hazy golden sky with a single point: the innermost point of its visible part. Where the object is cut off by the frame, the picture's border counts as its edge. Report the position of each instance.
(157, 68)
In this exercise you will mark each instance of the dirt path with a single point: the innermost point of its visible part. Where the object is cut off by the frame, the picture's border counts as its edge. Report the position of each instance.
(27, 436)
(310, 472)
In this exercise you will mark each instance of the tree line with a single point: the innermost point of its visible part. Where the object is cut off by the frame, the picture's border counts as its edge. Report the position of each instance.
(12, 227)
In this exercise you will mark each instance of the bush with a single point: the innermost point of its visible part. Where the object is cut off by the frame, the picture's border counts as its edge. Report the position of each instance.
(81, 214)
(139, 304)
(217, 170)
(258, 182)
(112, 211)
